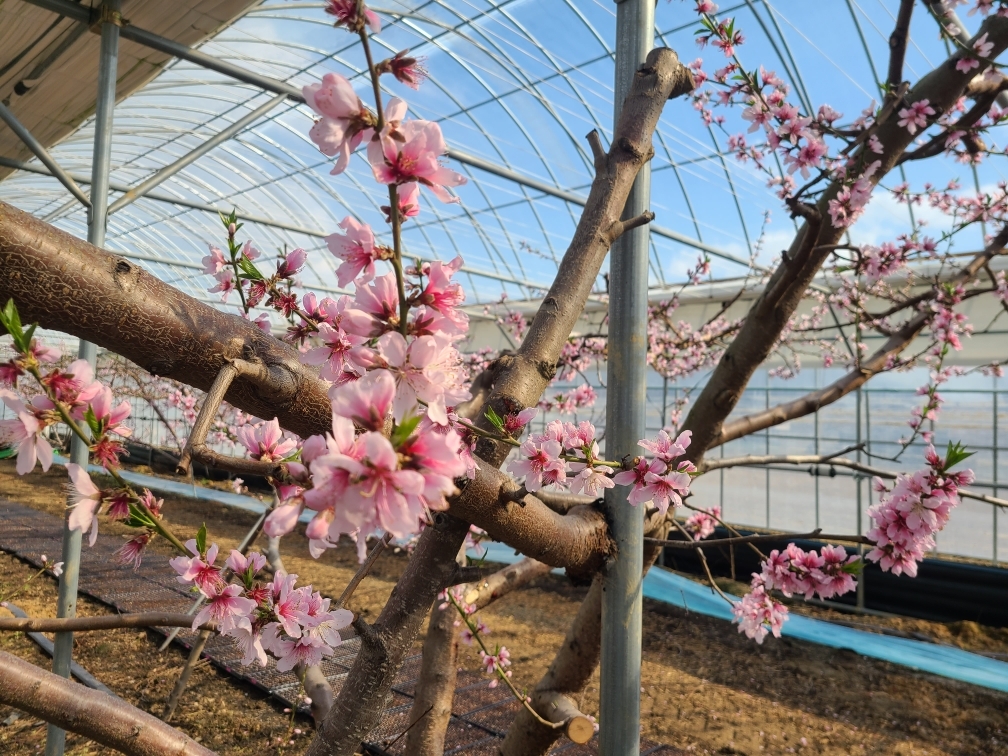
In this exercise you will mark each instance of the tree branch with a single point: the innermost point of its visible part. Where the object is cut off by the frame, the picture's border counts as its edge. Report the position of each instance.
(898, 43)
(105, 719)
(101, 622)
(211, 404)
(759, 538)
(769, 315)
(876, 363)
(64, 283)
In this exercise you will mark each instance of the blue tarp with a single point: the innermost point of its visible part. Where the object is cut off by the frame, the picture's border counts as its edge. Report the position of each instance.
(670, 588)
(946, 661)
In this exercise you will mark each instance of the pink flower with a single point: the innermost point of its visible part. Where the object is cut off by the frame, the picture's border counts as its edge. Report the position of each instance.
(239, 564)
(664, 448)
(344, 121)
(215, 262)
(591, 479)
(336, 354)
(249, 643)
(282, 520)
(366, 402)
(287, 603)
(380, 494)
(538, 457)
(757, 613)
(203, 574)
(665, 488)
(425, 367)
(356, 248)
(414, 158)
(636, 477)
(376, 308)
(132, 551)
(227, 607)
(265, 441)
(407, 70)
(25, 432)
(916, 116)
(225, 284)
(306, 650)
(85, 499)
(702, 524)
(346, 15)
(292, 263)
(409, 202)
(445, 295)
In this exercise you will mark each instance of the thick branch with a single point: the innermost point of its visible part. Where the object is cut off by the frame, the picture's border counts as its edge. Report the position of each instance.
(876, 363)
(578, 540)
(504, 581)
(104, 719)
(898, 43)
(64, 283)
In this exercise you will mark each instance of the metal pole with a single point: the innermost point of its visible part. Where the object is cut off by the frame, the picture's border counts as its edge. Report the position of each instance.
(66, 603)
(626, 373)
(994, 456)
(42, 154)
(857, 481)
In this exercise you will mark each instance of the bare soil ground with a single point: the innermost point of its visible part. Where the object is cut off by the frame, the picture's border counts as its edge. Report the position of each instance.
(705, 688)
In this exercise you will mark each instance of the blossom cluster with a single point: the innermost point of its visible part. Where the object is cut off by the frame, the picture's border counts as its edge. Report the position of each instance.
(827, 573)
(546, 459)
(296, 625)
(904, 523)
(909, 515)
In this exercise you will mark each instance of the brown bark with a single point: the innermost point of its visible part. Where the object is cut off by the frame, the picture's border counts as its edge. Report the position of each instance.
(572, 667)
(578, 540)
(101, 622)
(435, 689)
(104, 719)
(64, 283)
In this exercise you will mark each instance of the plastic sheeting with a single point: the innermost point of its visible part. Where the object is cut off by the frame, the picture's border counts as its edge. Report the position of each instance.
(945, 661)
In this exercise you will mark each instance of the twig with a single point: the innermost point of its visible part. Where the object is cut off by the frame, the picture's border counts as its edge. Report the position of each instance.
(101, 622)
(415, 722)
(363, 570)
(816, 534)
(211, 404)
(703, 561)
(183, 681)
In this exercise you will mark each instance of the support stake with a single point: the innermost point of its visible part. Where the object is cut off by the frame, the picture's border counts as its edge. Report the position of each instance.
(619, 733)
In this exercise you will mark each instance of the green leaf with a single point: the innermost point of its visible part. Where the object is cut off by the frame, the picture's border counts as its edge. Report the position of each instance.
(12, 324)
(92, 421)
(402, 431)
(7, 452)
(955, 454)
(495, 420)
(201, 539)
(854, 568)
(250, 270)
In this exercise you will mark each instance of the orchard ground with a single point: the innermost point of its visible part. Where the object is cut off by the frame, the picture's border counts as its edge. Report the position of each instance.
(706, 689)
